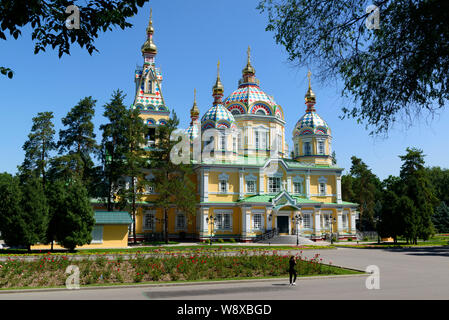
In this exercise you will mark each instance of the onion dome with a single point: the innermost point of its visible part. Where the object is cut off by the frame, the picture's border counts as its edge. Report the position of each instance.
(249, 69)
(249, 98)
(149, 46)
(218, 116)
(311, 122)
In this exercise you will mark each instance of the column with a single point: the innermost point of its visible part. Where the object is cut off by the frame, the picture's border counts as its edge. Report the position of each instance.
(289, 184)
(241, 183)
(308, 185)
(246, 223)
(317, 224)
(352, 213)
(261, 183)
(204, 224)
(339, 220)
(338, 178)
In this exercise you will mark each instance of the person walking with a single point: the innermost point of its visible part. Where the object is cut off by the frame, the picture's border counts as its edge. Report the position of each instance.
(292, 270)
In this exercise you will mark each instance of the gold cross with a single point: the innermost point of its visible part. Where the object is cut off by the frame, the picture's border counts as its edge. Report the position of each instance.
(194, 90)
(309, 75)
(249, 53)
(218, 68)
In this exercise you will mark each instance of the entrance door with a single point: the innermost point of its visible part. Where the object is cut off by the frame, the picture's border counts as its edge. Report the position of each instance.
(282, 224)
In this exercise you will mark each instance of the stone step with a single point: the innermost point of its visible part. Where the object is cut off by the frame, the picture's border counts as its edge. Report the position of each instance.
(291, 239)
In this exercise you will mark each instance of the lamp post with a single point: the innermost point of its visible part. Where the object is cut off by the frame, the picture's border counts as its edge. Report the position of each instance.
(332, 220)
(297, 218)
(211, 221)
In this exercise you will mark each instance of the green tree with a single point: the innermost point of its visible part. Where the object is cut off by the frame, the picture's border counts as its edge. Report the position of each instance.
(47, 19)
(72, 213)
(38, 147)
(23, 211)
(171, 181)
(416, 186)
(78, 140)
(365, 190)
(135, 160)
(114, 146)
(441, 218)
(399, 69)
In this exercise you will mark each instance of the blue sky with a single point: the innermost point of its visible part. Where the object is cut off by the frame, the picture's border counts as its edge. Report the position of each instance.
(191, 37)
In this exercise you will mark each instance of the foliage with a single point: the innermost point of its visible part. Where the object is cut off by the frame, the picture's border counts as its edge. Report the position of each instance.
(168, 267)
(134, 157)
(72, 214)
(113, 147)
(441, 218)
(23, 211)
(38, 147)
(363, 187)
(48, 20)
(401, 68)
(171, 181)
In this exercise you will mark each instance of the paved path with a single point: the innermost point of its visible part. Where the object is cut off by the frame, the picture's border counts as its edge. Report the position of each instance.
(418, 273)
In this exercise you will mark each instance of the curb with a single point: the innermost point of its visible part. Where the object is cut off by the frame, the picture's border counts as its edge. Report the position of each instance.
(180, 284)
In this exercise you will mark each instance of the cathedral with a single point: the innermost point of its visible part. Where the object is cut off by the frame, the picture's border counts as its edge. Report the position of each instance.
(249, 183)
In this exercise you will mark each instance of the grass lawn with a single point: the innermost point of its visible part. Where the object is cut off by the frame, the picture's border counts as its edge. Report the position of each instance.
(437, 240)
(50, 271)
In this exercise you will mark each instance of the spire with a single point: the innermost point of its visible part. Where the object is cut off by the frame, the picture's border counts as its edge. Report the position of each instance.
(195, 111)
(249, 69)
(310, 95)
(149, 46)
(218, 88)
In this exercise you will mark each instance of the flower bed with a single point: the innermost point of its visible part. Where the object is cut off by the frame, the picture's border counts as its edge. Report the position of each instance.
(50, 270)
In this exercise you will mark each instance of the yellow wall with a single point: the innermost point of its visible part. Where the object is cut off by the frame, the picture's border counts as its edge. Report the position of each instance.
(114, 236)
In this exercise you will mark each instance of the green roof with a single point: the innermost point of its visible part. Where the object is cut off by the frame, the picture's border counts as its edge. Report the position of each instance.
(114, 217)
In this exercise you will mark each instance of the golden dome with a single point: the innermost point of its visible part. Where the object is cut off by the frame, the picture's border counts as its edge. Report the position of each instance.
(310, 95)
(149, 46)
(195, 111)
(218, 87)
(249, 69)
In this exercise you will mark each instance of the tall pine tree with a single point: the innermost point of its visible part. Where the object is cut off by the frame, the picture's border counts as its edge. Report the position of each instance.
(171, 181)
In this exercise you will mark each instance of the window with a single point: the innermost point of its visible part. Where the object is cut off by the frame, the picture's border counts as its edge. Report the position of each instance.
(97, 234)
(322, 189)
(257, 222)
(222, 140)
(150, 137)
(148, 221)
(307, 221)
(223, 186)
(307, 149)
(180, 222)
(274, 185)
(260, 138)
(223, 221)
(297, 187)
(321, 147)
(251, 186)
(344, 220)
(296, 150)
(279, 143)
(234, 144)
(257, 140)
